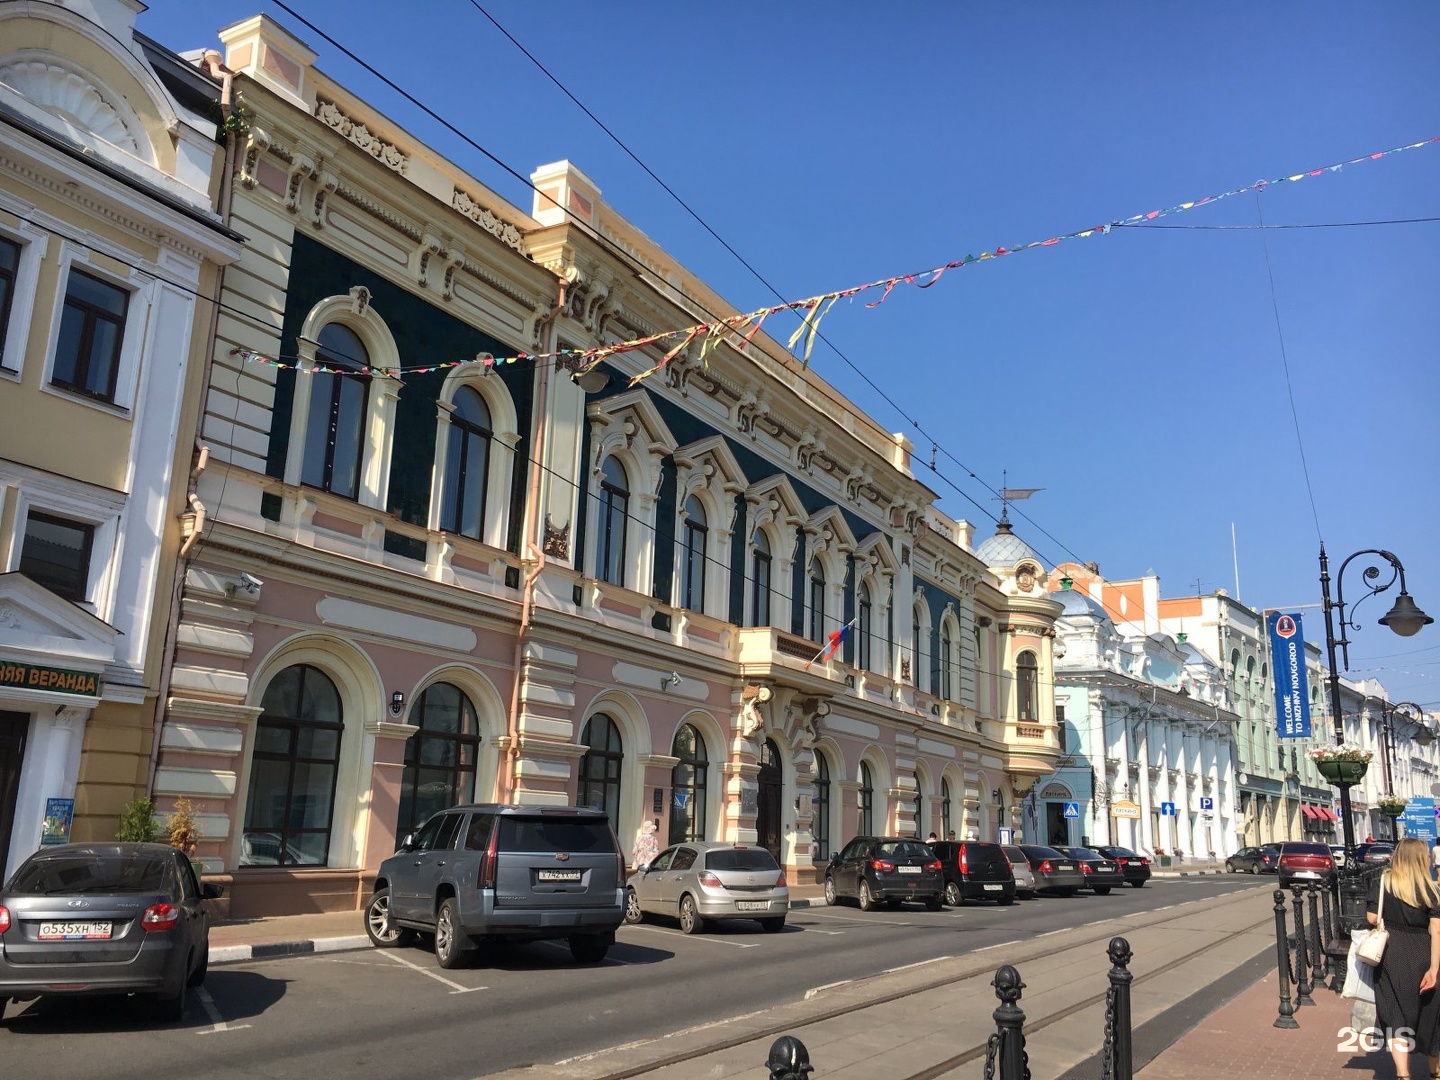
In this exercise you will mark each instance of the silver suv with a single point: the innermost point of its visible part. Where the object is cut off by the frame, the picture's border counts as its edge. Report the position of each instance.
(516, 873)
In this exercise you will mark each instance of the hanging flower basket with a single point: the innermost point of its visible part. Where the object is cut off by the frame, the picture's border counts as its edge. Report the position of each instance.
(1342, 773)
(1340, 752)
(1392, 806)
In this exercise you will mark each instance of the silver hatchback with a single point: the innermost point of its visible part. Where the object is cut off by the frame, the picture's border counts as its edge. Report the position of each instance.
(698, 881)
(1024, 876)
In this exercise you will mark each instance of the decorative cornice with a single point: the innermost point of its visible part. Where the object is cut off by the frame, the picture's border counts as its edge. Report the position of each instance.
(482, 216)
(405, 228)
(388, 154)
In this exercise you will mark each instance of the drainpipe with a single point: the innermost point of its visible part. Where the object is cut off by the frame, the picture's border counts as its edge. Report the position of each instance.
(507, 778)
(212, 64)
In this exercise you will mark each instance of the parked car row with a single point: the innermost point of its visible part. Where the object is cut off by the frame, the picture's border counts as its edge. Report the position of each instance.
(1294, 861)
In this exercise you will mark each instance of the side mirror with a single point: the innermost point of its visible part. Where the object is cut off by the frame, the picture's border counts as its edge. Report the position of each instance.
(834, 858)
(407, 842)
(211, 891)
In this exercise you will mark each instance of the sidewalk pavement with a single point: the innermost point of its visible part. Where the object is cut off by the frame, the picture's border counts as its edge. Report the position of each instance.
(1240, 1039)
(1187, 868)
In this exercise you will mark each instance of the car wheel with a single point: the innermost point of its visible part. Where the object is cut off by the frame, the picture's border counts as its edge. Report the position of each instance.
(1137, 884)
(952, 894)
(690, 920)
(379, 928)
(197, 977)
(773, 926)
(1102, 890)
(933, 904)
(590, 948)
(830, 896)
(1230, 867)
(633, 914)
(452, 944)
(866, 901)
(170, 1008)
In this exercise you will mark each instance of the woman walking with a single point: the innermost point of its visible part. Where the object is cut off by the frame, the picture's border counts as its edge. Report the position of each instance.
(1407, 1009)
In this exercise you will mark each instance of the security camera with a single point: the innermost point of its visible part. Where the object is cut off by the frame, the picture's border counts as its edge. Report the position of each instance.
(673, 679)
(250, 583)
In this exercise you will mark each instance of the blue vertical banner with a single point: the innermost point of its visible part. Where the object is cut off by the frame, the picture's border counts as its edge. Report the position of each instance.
(1287, 662)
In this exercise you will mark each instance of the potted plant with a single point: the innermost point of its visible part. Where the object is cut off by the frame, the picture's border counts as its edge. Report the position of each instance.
(1343, 765)
(1392, 806)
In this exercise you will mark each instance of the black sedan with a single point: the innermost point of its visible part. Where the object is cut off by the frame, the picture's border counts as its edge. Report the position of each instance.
(885, 869)
(1100, 874)
(1134, 866)
(1054, 870)
(1254, 860)
(87, 919)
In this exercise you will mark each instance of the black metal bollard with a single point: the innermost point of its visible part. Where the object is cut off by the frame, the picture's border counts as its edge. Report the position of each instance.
(1008, 1042)
(1320, 962)
(788, 1059)
(1303, 986)
(1117, 1057)
(1286, 1019)
(1328, 905)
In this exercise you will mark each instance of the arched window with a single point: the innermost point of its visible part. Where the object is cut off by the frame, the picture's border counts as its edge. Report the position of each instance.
(687, 786)
(335, 426)
(1027, 687)
(862, 628)
(693, 535)
(614, 514)
(600, 767)
(817, 601)
(820, 823)
(467, 465)
(292, 771)
(760, 581)
(440, 757)
(866, 825)
(946, 827)
(947, 662)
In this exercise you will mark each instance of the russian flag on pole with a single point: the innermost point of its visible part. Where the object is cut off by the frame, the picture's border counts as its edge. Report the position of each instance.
(836, 639)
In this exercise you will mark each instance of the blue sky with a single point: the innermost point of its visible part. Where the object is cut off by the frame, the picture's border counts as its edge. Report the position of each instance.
(1138, 378)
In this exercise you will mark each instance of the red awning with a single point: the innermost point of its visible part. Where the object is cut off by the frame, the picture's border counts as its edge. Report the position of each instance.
(1330, 815)
(1310, 811)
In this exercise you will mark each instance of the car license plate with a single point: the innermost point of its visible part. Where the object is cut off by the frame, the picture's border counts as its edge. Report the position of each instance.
(1306, 873)
(74, 931)
(1064, 866)
(909, 869)
(557, 875)
(751, 905)
(994, 888)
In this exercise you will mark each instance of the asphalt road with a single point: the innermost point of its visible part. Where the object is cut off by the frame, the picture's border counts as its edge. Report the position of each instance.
(388, 1013)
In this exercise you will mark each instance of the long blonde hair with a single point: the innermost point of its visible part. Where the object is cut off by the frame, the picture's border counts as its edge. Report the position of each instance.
(1409, 874)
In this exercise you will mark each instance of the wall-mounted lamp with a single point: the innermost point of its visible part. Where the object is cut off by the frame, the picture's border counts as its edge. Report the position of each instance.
(592, 381)
(673, 679)
(995, 795)
(397, 703)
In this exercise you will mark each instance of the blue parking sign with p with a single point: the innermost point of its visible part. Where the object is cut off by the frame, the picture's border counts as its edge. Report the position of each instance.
(1072, 810)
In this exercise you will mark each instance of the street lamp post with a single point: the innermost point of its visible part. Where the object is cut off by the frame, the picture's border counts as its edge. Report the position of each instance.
(1421, 737)
(1404, 618)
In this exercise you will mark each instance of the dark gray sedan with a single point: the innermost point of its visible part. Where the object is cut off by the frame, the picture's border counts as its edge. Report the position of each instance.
(1054, 870)
(86, 919)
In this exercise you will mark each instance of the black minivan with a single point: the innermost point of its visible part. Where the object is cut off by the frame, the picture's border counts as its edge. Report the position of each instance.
(975, 871)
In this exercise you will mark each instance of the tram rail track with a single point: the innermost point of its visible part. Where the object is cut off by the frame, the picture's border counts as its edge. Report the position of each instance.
(1024, 952)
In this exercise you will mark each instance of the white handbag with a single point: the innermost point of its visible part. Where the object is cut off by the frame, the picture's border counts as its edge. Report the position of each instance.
(1372, 949)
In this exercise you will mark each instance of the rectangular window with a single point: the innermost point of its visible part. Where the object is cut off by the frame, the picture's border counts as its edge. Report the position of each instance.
(92, 327)
(9, 263)
(760, 601)
(56, 554)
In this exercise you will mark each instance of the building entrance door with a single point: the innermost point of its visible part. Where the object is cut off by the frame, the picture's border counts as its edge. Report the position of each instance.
(1057, 829)
(13, 727)
(767, 816)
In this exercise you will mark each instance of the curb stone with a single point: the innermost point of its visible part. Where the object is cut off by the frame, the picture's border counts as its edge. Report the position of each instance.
(273, 950)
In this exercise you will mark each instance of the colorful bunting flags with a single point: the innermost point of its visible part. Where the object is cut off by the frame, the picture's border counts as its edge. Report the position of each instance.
(812, 309)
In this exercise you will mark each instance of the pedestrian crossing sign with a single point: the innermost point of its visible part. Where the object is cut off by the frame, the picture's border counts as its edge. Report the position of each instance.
(1072, 810)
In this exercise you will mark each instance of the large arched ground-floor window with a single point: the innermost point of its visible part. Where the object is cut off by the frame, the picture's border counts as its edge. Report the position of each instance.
(688, 786)
(440, 757)
(599, 785)
(291, 802)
